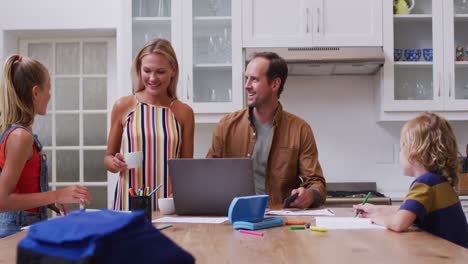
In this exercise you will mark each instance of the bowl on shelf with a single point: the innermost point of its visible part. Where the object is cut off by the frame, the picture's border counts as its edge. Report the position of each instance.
(412, 54)
(427, 54)
(397, 54)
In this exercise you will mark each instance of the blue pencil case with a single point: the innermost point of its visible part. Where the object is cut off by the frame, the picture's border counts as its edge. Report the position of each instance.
(247, 212)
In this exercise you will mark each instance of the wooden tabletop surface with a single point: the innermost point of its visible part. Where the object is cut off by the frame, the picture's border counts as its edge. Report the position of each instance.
(220, 243)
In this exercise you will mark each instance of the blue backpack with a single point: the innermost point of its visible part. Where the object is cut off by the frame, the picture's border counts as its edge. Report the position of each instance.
(99, 237)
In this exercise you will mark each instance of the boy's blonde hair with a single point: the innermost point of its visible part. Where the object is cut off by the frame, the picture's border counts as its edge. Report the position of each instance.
(430, 141)
(20, 75)
(162, 47)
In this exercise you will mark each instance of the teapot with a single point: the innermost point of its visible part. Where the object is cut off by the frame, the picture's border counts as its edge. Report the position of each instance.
(401, 7)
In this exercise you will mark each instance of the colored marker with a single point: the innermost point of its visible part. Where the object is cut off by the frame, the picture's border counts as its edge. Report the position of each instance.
(255, 233)
(318, 229)
(131, 191)
(155, 190)
(147, 191)
(363, 202)
(296, 227)
(82, 204)
(163, 226)
(288, 222)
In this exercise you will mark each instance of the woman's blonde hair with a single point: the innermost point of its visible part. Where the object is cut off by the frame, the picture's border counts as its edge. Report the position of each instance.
(430, 141)
(162, 47)
(20, 75)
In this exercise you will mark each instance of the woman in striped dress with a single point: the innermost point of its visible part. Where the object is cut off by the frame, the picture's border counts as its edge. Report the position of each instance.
(152, 121)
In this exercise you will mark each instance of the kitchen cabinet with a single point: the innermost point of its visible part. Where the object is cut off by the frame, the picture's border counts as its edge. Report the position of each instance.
(304, 23)
(206, 36)
(425, 83)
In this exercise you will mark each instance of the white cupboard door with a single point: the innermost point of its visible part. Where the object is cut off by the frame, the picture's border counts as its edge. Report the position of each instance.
(212, 56)
(347, 23)
(277, 23)
(456, 65)
(414, 83)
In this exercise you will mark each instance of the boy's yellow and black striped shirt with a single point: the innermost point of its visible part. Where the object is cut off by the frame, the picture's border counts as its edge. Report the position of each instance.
(437, 208)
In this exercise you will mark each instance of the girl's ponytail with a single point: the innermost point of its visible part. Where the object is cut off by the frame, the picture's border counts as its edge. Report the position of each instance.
(20, 74)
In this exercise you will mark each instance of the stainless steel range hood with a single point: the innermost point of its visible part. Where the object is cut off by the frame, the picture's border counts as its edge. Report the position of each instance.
(328, 60)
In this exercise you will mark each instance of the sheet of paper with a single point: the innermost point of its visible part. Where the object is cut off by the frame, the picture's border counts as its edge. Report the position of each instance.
(192, 220)
(346, 223)
(321, 212)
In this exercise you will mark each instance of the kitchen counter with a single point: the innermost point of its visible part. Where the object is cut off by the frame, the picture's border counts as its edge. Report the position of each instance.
(350, 201)
(400, 196)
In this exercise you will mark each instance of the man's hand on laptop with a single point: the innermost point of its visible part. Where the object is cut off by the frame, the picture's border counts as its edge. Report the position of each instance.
(304, 200)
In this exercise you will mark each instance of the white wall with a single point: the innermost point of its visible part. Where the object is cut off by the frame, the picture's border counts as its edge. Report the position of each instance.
(352, 145)
(66, 18)
(52, 14)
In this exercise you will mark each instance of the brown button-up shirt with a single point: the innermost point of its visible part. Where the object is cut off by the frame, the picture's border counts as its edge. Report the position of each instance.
(293, 153)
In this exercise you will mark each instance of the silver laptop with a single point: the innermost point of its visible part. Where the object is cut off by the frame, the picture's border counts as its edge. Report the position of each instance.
(207, 186)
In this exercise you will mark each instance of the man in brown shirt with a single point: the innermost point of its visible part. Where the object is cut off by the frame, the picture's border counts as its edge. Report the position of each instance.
(281, 144)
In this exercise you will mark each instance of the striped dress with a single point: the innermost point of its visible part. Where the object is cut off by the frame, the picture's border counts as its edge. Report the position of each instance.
(155, 131)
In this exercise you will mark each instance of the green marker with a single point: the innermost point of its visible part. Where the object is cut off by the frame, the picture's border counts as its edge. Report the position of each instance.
(297, 228)
(363, 202)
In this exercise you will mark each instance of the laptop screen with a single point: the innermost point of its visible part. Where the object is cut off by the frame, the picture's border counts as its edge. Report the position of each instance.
(207, 186)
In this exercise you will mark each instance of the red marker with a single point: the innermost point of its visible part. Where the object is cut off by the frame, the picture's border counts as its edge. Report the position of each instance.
(251, 232)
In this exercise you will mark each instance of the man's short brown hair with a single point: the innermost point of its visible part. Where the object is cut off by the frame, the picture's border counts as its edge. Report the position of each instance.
(277, 68)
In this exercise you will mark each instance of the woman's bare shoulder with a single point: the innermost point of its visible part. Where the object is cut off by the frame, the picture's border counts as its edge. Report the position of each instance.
(182, 111)
(124, 104)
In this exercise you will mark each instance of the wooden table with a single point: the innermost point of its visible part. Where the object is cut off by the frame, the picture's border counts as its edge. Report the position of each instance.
(219, 243)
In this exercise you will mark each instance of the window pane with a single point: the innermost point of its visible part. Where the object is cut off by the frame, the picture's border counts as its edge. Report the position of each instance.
(95, 58)
(41, 52)
(212, 8)
(68, 166)
(68, 58)
(43, 128)
(99, 197)
(94, 94)
(67, 93)
(95, 129)
(94, 169)
(67, 131)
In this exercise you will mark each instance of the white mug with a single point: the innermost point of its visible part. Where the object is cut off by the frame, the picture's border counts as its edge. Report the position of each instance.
(134, 159)
(166, 206)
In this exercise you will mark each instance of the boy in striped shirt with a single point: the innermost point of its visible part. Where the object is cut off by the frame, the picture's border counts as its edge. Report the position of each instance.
(428, 152)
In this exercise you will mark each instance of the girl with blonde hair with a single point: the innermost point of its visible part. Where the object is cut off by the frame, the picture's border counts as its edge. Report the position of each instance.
(24, 195)
(428, 152)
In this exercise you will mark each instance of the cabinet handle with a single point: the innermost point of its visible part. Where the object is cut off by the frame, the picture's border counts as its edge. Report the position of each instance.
(307, 20)
(450, 85)
(440, 77)
(187, 87)
(318, 20)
